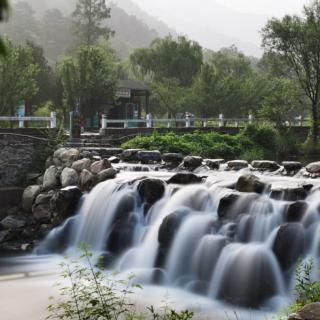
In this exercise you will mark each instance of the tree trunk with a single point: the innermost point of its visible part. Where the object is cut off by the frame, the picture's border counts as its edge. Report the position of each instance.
(315, 123)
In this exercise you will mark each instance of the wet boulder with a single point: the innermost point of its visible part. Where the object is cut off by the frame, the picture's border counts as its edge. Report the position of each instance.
(65, 201)
(151, 190)
(233, 204)
(172, 158)
(265, 165)
(192, 162)
(86, 180)
(50, 180)
(99, 166)
(213, 164)
(308, 312)
(237, 165)
(295, 211)
(107, 174)
(288, 192)
(13, 222)
(149, 156)
(292, 166)
(82, 164)
(41, 208)
(130, 155)
(170, 226)
(65, 156)
(185, 178)
(289, 244)
(29, 196)
(250, 183)
(69, 177)
(313, 168)
(114, 159)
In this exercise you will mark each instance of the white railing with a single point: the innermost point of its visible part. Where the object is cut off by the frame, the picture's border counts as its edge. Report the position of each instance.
(52, 120)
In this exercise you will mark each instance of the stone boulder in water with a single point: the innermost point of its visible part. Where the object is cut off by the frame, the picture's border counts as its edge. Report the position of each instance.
(292, 166)
(29, 196)
(82, 164)
(308, 312)
(265, 165)
(99, 166)
(65, 201)
(130, 155)
(107, 174)
(149, 156)
(86, 180)
(288, 192)
(69, 177)
(192, 162)
(151, 190)
(50, 179)
(250, 183)
(313, 167)
(289, 244)
(41, 208)
(213, 164)
(237, 165)
(172, 158)
(185, 178)
(65, 157)
(295, 211)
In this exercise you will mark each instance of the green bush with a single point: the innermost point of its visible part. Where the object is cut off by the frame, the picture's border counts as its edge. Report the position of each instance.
(252, 143)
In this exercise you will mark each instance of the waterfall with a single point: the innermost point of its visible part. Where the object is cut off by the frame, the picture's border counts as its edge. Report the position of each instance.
(181, 240)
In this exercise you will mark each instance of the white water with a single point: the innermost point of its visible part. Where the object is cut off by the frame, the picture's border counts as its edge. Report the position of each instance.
(222, 260)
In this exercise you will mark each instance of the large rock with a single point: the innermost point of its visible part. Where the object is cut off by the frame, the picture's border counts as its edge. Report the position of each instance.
(288, 192)
(234, 204)
(41, 209)
(250, 183)
(185, 178)
(107, 174)
(265, 165)
(308, 312)
(50, 180)
(192, 162)
(65, 156)
(295, 211)
(172, 158)
(289, 244)
(313, 167)
(149, 156)
(69, 177)
(99, 166)
(130, 155)
(29, 196)
(213, 164)
(86, 180)
(13, 222)
(292, 166)
(237, 164)
(82, 164)
(151, 190)
(65, 201)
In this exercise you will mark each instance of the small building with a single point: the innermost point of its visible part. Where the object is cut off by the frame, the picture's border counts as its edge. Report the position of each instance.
(132, 101)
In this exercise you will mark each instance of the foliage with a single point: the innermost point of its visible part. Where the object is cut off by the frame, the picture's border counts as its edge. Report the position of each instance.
(179, 59)
(90, 78)
(91, 294)
(88, 21)
(297, 40)
(260, 142)
(4, 8)
(306, 290)
(18, 73)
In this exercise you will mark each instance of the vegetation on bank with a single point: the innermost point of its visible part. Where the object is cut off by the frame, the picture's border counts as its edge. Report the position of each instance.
(88, 293)
(252, 143)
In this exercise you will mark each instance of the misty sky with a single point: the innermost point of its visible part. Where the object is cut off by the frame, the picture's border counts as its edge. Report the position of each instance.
(216, 23)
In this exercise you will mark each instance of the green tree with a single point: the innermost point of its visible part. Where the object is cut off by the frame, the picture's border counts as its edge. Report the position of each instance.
(91, 79)
(297, 39)
(4, 8)
(179, 59)
(89, 21)
(18, 74)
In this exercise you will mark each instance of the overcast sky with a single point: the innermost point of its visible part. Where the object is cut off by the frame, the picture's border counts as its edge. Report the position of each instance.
(218, 23)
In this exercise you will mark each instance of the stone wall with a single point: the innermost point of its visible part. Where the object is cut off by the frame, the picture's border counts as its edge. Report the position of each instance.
(17, 153)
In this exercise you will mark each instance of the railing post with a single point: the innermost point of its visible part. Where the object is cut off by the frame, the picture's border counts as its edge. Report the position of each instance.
(205, 123)
(300, 120)
(169, 124)
(125, 124)
(188, 122)
(237, 123)
(149, 120)
(104, 121)
(53, 120)
(250, 118)
(21, 124)
(221, 120)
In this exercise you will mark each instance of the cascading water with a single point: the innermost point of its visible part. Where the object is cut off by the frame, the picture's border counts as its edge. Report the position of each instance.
(181, 239)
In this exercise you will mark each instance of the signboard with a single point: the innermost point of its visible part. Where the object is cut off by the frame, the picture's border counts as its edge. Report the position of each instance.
(123, 93)
(21, 110)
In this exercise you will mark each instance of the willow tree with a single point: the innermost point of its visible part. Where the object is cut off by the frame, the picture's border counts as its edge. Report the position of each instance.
(297, 39)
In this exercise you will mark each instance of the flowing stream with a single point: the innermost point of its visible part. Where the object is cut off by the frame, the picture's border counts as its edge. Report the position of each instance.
(180, 243)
